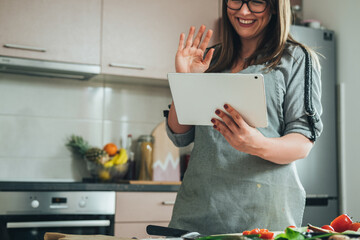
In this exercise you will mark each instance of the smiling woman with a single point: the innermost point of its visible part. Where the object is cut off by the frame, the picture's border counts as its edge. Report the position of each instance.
(240, 177)
(249, 21)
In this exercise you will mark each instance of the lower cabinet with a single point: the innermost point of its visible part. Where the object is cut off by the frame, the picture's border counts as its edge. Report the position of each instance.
(136, 210)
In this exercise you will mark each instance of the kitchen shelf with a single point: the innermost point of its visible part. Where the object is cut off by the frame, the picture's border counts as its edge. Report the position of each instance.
(81, 186)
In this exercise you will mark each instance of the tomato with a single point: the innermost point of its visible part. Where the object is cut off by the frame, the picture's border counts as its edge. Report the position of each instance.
(354, 226)
(328, 227)
(264, 233)
(291, 226)
(267, 235)
(255, 231)
(341, 223)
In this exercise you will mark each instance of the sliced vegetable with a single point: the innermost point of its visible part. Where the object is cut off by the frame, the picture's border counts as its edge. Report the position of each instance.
(255, 231)
(315, 229)
(341, 223)
(355, 226)
(328, 227)
(267, 235)
(246, 232)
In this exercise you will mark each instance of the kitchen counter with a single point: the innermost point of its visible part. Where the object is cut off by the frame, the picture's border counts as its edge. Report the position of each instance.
(129, 186)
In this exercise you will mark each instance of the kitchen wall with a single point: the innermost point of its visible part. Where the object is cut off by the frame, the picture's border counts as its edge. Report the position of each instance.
(38, 115)
(343, 17)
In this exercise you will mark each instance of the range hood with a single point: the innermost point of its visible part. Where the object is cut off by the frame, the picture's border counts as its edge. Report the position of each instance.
(47, 68)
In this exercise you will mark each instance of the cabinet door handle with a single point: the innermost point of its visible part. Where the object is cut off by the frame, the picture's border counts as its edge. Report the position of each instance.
(79, 223)
(137, 67)
(23, 47)
(168, 203)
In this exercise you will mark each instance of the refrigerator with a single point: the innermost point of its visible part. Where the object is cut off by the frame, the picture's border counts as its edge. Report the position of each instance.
(319, 171)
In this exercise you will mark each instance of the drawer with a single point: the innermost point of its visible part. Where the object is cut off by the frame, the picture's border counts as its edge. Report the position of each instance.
(144, 206)
(138, 230)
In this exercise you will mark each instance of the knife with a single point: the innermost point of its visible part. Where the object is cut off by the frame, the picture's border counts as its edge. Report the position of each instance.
(188, 235)
(172, 232)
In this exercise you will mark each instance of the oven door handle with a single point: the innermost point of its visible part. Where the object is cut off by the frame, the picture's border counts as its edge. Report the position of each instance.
(80, 223)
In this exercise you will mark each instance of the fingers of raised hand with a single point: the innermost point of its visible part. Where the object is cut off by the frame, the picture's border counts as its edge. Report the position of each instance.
(206, 40)
(196, 42)
(209, 56)
(190, 37)
(199, 36)
(181, 42)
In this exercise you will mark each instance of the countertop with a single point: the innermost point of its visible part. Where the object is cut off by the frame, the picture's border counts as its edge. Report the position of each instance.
(130, 186)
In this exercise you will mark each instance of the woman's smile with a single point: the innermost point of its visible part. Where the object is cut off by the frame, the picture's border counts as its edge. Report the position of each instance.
(246, 22)
(249, 25)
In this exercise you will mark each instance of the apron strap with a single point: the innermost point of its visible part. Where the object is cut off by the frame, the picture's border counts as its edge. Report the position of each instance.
(309, 110)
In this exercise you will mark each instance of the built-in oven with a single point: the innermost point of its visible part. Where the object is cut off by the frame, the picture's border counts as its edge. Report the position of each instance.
(29, 215)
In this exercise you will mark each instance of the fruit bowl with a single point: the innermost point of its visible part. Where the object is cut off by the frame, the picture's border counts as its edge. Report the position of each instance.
(104, 173)
(109, 163)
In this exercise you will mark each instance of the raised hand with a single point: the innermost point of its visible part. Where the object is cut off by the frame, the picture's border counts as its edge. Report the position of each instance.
(190, 55)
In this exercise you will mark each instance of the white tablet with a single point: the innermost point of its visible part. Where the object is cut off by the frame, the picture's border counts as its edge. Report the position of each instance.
(197, 95)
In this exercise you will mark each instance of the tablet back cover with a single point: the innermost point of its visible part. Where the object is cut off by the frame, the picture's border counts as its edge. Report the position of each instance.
(197, 95)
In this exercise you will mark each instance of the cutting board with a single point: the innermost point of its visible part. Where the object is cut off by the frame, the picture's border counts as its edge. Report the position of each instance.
(166, 156)
(62, 236)
(144, 182)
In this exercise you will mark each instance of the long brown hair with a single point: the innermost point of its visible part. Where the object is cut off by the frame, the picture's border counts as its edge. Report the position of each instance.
(271, 47)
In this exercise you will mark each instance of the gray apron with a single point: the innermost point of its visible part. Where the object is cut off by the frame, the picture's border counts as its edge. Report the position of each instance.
(228, 191)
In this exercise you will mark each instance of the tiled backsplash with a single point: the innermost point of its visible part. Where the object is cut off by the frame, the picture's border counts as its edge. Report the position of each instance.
(38, 115)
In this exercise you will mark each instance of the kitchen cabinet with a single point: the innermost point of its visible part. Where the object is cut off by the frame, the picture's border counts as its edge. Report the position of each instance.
(140, 37)
(136, 210)
(65, 31)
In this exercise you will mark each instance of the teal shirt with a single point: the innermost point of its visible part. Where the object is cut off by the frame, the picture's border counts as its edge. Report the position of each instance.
(228, 191)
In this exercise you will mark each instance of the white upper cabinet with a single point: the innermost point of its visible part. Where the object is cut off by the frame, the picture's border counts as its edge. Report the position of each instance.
(140, 37)
(65, 31)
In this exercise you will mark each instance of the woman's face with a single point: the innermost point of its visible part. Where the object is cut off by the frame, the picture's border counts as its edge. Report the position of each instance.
(249, 26)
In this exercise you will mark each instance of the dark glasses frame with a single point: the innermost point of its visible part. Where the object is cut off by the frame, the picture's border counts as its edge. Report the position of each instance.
(247, 3)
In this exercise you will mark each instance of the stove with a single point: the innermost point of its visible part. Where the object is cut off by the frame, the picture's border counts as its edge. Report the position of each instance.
(29, 214)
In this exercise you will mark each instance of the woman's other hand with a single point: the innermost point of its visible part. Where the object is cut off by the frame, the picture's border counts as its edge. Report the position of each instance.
(236, 131)
(241, 136)
(190, 54)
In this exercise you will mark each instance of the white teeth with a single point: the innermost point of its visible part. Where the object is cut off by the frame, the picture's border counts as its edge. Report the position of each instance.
(246, 21)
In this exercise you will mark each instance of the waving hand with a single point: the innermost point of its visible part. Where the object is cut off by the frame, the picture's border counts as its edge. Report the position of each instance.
(190, 54)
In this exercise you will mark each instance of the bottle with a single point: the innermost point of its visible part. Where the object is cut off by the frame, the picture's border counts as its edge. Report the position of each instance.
(144, 157)
(128, 143)
(132, 167)
(296, 14)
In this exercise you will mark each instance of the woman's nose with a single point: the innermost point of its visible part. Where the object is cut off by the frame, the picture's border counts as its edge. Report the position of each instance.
(245, 9)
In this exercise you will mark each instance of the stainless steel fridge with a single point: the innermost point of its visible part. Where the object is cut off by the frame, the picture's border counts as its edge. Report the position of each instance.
(319, 171)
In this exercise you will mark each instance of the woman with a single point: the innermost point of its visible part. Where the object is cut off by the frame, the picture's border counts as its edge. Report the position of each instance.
(240, 177)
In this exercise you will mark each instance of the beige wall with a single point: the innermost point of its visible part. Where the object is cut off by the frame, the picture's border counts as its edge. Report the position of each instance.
(343, 17)
(38, 115)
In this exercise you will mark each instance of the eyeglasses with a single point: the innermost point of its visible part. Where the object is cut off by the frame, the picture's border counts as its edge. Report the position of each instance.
(255, 6)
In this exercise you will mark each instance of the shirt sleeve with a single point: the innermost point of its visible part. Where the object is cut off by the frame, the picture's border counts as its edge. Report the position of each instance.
(182, 139)
(295, 118)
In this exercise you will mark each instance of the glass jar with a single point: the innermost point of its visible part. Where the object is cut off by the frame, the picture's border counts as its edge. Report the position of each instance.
(144, 157)
(296, 12)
